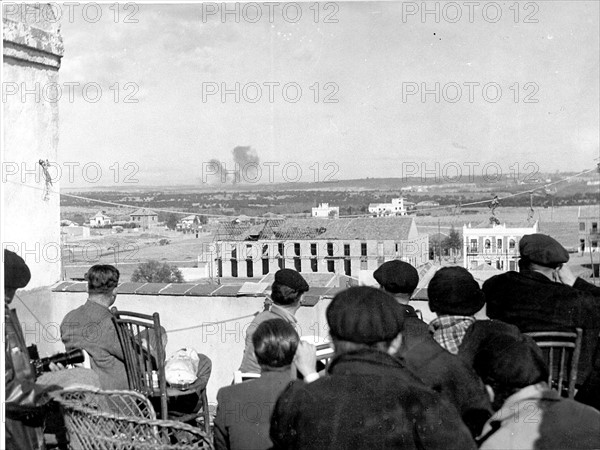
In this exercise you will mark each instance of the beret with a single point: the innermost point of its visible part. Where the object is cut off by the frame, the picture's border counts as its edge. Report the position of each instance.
(397, 277)
(364, 315)
(291, 279)
(543, 250)
(510, 360)
(454, 291)
(16, 272)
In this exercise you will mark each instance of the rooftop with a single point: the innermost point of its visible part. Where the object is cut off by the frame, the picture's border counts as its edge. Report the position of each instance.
(143, 212)
(363, 228)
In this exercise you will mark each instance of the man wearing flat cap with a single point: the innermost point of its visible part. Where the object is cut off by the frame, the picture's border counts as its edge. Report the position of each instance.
(400, 279)
(433, 365)
(286, 295)
(546, 296)
(369, 399)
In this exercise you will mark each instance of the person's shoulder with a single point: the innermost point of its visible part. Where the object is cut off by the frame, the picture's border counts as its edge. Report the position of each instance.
(501, 278)
(74, 314)
(227, 392)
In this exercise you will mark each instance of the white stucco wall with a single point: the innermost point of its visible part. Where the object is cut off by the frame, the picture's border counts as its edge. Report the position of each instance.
(30, 224)
(189, 321)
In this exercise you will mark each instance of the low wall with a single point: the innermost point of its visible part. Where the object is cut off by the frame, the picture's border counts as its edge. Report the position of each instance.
(214, 326)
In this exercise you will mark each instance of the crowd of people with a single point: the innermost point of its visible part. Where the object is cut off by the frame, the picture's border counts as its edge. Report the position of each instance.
(394, 381)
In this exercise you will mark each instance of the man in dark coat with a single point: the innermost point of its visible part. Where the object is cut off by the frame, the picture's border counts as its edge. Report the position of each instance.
(546, 296)
(22, 394)
(528, 413)
(400, 279)
(433, 365)
(369, 399)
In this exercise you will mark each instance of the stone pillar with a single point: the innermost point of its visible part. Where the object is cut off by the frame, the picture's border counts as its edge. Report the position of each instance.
(33, 48)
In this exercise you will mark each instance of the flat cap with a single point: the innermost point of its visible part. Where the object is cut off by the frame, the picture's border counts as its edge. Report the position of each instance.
(364, 315)
(16, 272)
(454, 291)
(543, 250)
(291, 279)
(397, 277)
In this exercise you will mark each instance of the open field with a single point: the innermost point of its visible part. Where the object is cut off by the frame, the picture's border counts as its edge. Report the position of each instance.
(126, 250)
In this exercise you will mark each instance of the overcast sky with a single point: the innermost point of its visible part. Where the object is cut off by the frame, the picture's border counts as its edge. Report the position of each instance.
(373, 59)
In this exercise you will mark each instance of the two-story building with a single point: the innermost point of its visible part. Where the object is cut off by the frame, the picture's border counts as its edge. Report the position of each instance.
(345, 246)
(144, 218)
(495, 245)
(395, 208)
(589, 236)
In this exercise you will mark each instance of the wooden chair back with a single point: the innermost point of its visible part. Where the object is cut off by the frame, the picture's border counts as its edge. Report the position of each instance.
(561, 351)
(141, 340)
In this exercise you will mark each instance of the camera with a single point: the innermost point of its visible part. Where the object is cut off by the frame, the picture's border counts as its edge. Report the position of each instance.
(42, 365)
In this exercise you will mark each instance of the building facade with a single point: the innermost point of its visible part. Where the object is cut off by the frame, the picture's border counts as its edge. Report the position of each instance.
(144, 218)
(100, 220)
(343, 246)
(589, 236)
(494, 245)
(395, 208)
(326, 211)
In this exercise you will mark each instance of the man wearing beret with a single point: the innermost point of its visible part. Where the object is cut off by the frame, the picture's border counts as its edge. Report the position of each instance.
(369, 399)
(545, 296)
(433, 365)
(286, 294)
(528, 413)
(455, 297)
(20, 388)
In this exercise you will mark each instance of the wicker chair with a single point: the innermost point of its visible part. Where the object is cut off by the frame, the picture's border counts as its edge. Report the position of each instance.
(561, 351)
(102, 420)
(146, 367)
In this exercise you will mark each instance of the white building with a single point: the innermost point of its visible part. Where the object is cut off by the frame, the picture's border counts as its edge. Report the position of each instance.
(100, 220)
(495, 245)
(589, 236)
(326, 211)
(396, 208)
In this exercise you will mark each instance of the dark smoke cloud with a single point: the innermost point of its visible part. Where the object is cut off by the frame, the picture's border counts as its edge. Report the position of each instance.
(246, 161)
(244, 169)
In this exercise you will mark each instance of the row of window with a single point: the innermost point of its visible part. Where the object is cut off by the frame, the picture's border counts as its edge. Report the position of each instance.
(313, 249)
(487, 245)
(313, 265)
(593, 229)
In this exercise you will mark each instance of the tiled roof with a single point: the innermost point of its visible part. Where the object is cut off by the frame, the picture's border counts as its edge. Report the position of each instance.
(362, 228)
(312, 278)
(247, 289)
(143, 212)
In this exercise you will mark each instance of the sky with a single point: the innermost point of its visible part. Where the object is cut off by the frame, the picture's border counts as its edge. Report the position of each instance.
(508, 87)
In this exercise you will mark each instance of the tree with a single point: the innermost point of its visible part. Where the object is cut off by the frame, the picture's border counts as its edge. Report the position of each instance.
(79, 219)
(171, 221)
(453, 241)
(156, 272)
